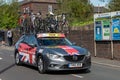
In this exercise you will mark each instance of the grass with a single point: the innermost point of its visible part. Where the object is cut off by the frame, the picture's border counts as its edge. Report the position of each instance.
(79, 24)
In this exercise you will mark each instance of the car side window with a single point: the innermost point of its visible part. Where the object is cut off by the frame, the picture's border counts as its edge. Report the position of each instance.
(21, 39)
(26, 39)
(32, 40)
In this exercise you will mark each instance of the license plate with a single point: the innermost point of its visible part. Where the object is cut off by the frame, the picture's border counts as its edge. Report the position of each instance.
(75, 65)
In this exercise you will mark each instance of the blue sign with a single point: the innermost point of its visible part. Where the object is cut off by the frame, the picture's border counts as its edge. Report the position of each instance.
(98, 30)
(116, 29)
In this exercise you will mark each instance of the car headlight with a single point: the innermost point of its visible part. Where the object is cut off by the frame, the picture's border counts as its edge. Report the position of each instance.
(55, 57)
(88, 54)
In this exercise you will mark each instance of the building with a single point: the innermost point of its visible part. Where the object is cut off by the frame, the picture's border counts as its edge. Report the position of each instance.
(43, 6)
(99, 9)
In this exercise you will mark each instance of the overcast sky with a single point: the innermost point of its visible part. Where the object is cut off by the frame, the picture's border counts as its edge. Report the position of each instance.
(99, 3)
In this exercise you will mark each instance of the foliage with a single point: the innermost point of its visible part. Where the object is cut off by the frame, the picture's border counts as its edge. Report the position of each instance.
(78, 24)
(8, 15)
(1, 2)
(77, 10)
(114, 5)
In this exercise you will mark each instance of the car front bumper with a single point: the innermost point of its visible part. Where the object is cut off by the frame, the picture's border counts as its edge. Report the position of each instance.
(57, 65)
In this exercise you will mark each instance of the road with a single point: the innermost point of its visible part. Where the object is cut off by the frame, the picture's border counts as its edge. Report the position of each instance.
(9, 71)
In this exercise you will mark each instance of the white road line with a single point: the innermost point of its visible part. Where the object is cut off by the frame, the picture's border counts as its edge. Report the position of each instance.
(1, 58)
(77, 76)
(0, 79)
(106, 64)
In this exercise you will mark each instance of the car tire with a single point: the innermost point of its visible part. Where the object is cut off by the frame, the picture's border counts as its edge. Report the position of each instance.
(17, 59)
(40, 65)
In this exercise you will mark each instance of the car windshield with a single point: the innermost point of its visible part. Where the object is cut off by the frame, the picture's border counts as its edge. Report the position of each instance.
(53, 41)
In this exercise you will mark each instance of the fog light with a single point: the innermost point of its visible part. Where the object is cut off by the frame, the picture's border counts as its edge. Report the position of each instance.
(52, 65)
(57, 67)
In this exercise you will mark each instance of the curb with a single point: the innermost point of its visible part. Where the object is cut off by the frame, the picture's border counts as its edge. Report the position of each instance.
(7, 47)
(105, 64)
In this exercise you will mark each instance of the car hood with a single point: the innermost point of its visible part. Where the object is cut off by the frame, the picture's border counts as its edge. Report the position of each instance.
(67, 50)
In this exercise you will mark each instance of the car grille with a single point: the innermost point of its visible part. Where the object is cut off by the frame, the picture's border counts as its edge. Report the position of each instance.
(74, 58)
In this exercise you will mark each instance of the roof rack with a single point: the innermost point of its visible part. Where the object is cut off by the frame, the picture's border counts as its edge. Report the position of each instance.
(34, 24)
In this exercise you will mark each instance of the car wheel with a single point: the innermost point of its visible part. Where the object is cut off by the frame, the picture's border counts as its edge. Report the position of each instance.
(17, 60)
(40, 66)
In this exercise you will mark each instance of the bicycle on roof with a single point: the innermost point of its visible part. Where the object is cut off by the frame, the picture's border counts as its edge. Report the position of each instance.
(34, 23)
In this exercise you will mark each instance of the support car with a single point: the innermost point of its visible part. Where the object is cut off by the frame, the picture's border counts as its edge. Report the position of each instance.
(51, 51)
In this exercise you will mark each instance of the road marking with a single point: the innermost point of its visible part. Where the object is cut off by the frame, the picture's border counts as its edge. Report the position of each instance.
(77, 76)
(106, 64)
(0, 79)
(1, 58)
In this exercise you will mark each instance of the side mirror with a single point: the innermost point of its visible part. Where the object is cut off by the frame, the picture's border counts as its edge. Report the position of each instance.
(73, 43)
(33, 45)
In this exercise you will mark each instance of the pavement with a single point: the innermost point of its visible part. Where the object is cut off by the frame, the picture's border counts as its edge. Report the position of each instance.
(96, 60)
(6, 47)
(106, 62)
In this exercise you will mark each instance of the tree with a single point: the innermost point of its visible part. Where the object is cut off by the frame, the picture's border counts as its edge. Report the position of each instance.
(2, 2)
(9, 15)
(79, 10)
(114, 5)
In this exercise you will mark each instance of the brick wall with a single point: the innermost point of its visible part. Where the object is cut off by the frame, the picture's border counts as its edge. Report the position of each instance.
(116, 50)
(103, 49)
(84, 37)
(39, 6)
(43, 7)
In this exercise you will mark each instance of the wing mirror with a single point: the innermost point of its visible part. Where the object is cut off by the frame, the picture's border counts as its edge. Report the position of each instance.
(73, 43)
(33, 45)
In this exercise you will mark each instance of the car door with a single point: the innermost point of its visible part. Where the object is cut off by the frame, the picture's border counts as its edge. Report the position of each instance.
(27, 49)
(32, 46)
(19, 41)
(23, 50)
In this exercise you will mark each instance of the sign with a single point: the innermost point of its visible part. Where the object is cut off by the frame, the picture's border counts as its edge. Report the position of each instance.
(117, 13)
(107, 26)
(116, 29)
(102, 15)
(106, 29)
(98, 30)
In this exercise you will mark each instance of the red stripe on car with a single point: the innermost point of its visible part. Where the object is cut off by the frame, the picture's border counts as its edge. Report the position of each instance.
(23, 58)
(69, 50)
